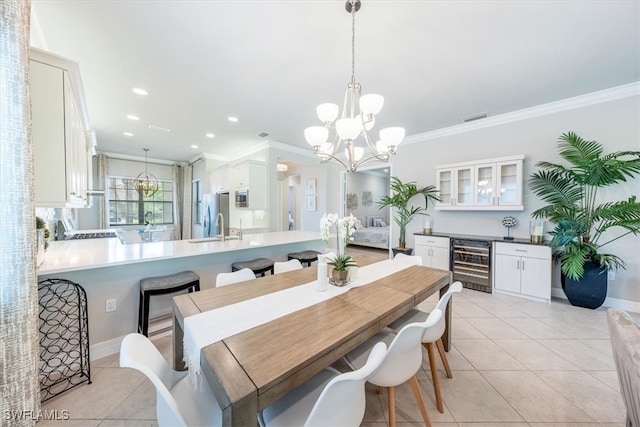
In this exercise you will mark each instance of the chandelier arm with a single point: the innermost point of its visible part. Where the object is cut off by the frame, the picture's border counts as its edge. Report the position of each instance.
(380, 158)
(326, 157)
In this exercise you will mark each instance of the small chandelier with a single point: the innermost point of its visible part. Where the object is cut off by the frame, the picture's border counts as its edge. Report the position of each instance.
(145, 182)
(358, 117)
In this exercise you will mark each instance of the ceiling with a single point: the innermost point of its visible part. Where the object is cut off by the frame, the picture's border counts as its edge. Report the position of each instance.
(270, 63)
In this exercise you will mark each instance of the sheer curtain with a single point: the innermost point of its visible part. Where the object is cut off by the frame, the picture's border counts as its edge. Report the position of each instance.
(177, 197)
(103, 218)
(187, 176)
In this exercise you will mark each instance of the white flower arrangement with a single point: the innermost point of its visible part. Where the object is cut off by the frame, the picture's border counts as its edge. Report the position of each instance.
(344, 234)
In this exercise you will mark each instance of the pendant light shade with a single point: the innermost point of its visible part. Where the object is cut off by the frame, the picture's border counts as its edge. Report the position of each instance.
(145, 182)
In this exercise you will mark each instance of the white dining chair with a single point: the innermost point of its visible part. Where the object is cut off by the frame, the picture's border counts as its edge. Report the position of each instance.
(129, 236)
(401, 363)
(242, 275)
(330, 398)
(178, 402)
(409, 259)
(434, 335)
(284, 266)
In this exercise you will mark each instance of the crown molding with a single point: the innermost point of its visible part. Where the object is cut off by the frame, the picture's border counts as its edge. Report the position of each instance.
(599, 97)
(138, 158)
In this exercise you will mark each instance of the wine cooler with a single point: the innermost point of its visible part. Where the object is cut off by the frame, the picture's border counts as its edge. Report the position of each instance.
(471, 263)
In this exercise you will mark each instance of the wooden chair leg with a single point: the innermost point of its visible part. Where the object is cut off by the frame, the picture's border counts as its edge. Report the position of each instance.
(391, 391)
(416, 392)
(443, 356)
(434, 376)
(379, 389)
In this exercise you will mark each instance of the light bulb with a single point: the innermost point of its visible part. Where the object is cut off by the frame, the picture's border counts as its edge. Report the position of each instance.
(327, 112)
(316, 135)
(371, 103)
(348, 128)
(392, 136)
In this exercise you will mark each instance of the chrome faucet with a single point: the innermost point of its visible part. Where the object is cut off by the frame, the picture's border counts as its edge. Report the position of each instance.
(220, 223)
(240, 232)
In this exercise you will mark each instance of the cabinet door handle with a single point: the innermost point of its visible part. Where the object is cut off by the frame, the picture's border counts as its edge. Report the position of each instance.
(522, 250)
(522, 265)
(518, 265)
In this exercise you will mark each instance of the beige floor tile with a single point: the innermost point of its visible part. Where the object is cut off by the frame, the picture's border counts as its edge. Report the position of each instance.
(501, 309)
(536, 329)
(493, 424)
(534, 400)
(128, 423)
(602, 345)
(109, 389)
(373, 412)
(471, 398)
(462, 329)
(610, 378)
(407, 408)
(69, 423)
(581, 355)
(495, 328)
(457, 362)
(565, 424)
(486, 355)
(139, 405)
(535, 356)
(111, 361)
(469, 309)
(598, 400)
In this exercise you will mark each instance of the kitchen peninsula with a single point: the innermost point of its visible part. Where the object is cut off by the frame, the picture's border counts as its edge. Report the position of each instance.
(108, 269)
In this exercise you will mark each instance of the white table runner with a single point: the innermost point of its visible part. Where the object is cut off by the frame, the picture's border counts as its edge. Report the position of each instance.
(203, 329)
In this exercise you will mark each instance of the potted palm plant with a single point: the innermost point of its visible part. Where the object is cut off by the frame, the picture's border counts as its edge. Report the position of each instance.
(581, 219)
(402, 193)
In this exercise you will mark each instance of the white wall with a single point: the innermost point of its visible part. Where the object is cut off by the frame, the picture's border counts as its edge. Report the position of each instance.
(615, 124)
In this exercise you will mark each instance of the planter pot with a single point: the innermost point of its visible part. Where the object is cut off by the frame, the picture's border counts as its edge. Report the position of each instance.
(339, 278)
(591, 290)
(406, 251)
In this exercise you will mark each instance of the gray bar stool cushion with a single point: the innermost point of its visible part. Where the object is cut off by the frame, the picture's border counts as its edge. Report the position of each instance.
(305, 256)
(258, 265)
(168, 282)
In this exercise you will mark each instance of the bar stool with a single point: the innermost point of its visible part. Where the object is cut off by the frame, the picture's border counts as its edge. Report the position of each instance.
(305, 256)
(258, 266)
(159, 286)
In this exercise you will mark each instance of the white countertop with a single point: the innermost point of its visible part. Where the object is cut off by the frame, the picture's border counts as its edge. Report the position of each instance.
(73, 255)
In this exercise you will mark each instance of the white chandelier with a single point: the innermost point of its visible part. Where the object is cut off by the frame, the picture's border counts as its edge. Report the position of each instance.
(357, 119)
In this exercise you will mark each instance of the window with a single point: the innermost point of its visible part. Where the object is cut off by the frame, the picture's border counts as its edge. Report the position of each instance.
(127, 206)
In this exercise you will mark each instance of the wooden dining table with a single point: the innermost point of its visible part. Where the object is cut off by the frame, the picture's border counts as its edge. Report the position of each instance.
(250, 370)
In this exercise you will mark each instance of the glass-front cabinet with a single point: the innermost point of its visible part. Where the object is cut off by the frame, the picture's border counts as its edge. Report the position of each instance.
(455, 186)
(491, 184)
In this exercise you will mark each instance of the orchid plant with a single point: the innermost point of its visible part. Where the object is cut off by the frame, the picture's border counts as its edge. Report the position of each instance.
(344, 228)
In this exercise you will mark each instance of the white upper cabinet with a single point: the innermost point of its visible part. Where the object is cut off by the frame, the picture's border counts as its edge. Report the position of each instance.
(62, 143)
(251, 176)
(219, 180)
(491, 184)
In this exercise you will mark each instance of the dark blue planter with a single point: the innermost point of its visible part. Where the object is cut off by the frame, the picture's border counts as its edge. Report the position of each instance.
(591, 290)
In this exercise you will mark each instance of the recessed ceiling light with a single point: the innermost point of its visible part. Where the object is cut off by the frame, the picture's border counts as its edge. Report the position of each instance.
(132, 117)
(233, 119)
(194, 146)
(209, 135)
(140, 91)
(127, 133)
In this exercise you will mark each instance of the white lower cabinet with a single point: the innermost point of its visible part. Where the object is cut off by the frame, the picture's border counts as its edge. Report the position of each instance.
(522, 270)
(433, 250)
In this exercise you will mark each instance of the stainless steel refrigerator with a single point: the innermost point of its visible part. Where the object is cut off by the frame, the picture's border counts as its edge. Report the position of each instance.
(213, 204)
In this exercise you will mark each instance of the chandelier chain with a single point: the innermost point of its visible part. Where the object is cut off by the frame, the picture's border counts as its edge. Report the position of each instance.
(353, 42)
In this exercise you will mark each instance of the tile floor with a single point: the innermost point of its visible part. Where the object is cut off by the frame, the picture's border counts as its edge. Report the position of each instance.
(515, 363)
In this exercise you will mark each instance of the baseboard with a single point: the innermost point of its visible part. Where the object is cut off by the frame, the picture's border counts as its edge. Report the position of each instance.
(621, 304)
(105, 348)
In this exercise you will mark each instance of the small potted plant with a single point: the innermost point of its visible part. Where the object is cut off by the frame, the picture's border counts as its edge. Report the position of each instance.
(402, 193)
(341, 261)
(582, 219)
